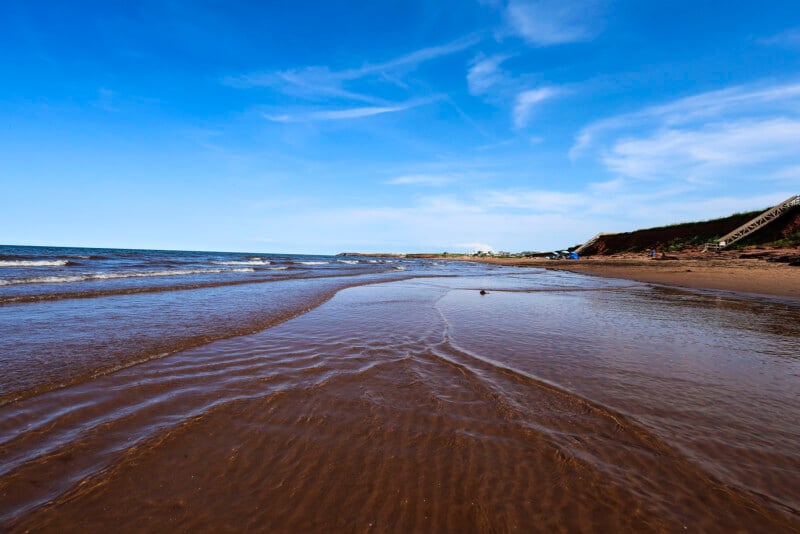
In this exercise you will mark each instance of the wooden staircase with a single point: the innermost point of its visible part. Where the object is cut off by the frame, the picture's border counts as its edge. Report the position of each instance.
(753, 225)
(591, 242)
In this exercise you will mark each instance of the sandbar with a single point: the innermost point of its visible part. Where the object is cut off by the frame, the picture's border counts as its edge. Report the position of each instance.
(727, 272)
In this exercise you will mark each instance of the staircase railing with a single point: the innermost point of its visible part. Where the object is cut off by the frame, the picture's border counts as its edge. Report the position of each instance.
(591, 242)
(753, 224)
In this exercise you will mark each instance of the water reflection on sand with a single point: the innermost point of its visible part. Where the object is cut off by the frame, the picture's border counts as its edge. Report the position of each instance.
(552, 402)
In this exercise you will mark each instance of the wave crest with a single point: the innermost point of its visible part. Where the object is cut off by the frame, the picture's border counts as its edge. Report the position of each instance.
(33, 263)
(113, 276)
(240, 262)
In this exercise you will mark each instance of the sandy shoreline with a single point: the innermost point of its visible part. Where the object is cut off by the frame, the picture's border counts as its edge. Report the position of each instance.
(421, 406)
(718, 272)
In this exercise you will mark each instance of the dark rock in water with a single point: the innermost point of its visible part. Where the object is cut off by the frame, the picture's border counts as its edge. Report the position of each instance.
(483, 291)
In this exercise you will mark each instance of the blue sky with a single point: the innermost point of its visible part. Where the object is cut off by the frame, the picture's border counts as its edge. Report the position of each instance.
(398, 126)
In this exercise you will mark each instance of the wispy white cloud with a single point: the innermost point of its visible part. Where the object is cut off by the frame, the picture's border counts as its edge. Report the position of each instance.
(410, 61)
(432, 180)
(608, 187)
(486, 78)
(695, 154)
(539, 201)
(311, 83)
(485, 73)
(525, 102)
(788, 174)
(510, 219)
(318, 82)
(788, 39)
(551, 22)
(744, 100)
(429, 224)
(279, 118)
(449, 204)
(496, 145)
(614, 206)
(735, 136)
(341, 114)
(467, 171)
(356, 113)
(332, 88)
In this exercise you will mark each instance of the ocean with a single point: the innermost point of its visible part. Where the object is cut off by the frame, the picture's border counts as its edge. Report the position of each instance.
(197, 391)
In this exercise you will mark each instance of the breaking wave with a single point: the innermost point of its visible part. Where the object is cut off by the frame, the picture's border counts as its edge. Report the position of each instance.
(248, 262)
(33, 263)
(111, 276)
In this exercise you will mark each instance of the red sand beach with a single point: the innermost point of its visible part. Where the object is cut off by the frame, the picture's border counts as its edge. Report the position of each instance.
(725, 271)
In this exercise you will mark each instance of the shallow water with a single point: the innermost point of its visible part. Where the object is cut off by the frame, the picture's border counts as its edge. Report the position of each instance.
(555, 402)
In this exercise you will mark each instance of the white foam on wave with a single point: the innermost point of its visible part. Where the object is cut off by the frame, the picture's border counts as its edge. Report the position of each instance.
(43, 280)
(313, 262)
(278, 268)
(349, 262)
(33, 263)
(248, 262)
(114, 276)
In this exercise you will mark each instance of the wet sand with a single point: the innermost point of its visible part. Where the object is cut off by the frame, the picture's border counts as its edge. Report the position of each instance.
(726, 273)
(424, 406)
